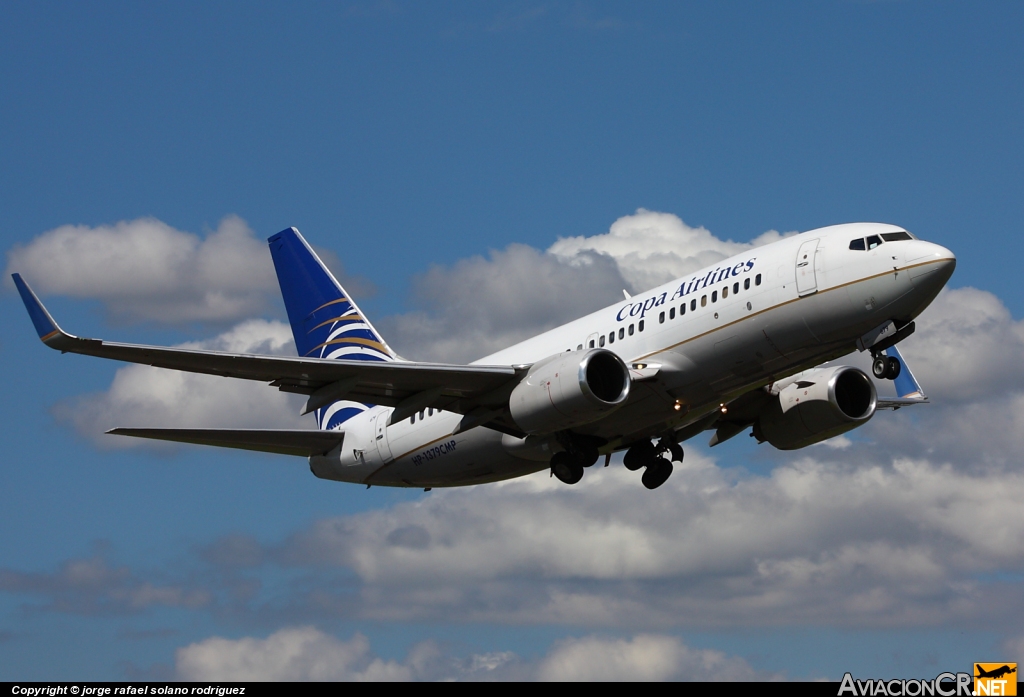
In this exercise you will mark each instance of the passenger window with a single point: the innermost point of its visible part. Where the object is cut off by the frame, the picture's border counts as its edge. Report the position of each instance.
(421, 415)
(592, 343)
(631, 330)
(661, 318)
(703, 301)
(725, 292)
(857, 245)
(672, 313)
(714, 296)
(693, 304)
(430, 412)
(580, 347)
(611, 338)
(682, 309)
(601, 342)
(874, 241)
(641, 325)
(746, 284)
(412, 419)
(621, 332)
(736, 287)
(757, 280)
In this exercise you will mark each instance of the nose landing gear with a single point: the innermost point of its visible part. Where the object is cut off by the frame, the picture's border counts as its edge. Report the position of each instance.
(885, 367)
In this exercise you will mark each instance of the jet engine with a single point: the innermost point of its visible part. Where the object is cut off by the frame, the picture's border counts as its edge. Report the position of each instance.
(569, 389)
(817, 405)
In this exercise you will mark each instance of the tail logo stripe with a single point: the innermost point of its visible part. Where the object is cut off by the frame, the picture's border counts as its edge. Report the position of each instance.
(352, 340)
(342, 318)
(332, 302)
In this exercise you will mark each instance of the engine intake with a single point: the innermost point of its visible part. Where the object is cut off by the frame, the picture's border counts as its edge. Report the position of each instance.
(817, 405)
(569, 389)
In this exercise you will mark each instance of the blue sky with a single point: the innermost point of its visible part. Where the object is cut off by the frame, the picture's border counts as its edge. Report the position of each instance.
(439, 151)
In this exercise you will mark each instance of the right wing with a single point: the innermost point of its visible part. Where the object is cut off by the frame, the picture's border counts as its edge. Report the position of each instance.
(480, 392)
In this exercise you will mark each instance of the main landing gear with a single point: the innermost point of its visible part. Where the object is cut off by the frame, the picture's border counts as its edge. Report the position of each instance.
(567, 465)
(885, 367)
(647, 454)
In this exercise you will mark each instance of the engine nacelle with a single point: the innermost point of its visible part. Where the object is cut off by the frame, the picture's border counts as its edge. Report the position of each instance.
(569, 389)
(818, 405)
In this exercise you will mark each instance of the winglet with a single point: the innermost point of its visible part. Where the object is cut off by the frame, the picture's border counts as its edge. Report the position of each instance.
(51, 334)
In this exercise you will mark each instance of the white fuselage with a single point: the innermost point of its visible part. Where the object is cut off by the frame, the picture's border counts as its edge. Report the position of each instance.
(704, 339)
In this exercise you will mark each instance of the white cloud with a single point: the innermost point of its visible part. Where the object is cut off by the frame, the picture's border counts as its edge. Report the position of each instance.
(144, 269)
(144, 396)
(295, 654)
(306, 654)
(816, 542)
(644, 658)
(967, 347)
(652, 248)
(481, 305)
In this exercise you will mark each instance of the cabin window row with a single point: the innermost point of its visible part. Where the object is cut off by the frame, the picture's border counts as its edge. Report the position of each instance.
(714, 298)
(622, 333)
(639, 327)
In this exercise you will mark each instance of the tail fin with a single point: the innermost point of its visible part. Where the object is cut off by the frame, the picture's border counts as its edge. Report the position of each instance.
(906, 384)
(326, 322)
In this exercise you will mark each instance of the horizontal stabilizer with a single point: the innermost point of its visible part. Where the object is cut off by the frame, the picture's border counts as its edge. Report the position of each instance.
(284, 442)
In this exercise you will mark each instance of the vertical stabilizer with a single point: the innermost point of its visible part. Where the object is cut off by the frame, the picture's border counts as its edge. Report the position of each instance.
(326, 322)
(905, 383)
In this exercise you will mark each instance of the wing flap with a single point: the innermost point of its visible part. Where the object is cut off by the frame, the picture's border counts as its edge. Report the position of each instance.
(281, 441)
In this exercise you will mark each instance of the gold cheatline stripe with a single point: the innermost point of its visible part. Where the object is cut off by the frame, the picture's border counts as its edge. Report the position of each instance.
(353, 340)
(773, 307)
(333, 302)
(52, 334)
(421, 447)
(342, 318)
(396, 459)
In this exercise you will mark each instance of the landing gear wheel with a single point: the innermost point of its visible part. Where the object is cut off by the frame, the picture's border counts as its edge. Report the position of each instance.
(657, 473)
(677, 452)
(638, 456)
(565, 468)
(880, 367)
(893, 368)
(588, 455)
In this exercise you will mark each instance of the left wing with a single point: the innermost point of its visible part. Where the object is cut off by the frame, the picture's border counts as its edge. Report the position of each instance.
(478, 391)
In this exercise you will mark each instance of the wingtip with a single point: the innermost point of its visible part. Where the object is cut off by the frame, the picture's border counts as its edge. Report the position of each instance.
(46, 327)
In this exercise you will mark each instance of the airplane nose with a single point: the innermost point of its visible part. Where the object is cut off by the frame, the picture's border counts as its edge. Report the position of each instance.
(930, 264)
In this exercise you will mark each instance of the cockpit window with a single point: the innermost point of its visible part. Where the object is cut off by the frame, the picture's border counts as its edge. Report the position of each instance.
(896, 236)
(858, 244)
(874, 241)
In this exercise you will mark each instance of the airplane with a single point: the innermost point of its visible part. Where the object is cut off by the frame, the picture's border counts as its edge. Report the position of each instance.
(733, 346)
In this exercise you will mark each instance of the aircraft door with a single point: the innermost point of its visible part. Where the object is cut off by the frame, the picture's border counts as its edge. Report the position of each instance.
(380, 434)
(806, 261)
